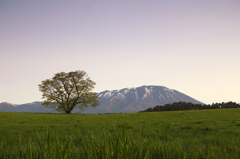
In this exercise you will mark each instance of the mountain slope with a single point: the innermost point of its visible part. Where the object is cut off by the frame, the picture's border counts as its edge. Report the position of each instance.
(35, 107)
(8, 107)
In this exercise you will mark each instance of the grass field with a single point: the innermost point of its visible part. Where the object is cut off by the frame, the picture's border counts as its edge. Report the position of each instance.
(176, 134)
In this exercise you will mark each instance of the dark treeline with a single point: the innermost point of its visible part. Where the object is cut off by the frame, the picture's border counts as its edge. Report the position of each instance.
(190, 106)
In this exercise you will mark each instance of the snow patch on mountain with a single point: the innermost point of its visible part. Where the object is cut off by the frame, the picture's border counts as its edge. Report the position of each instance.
(121, 95)
(144, 96)
(161, 96)
(168, 90)
(136, 95)
(126, 91)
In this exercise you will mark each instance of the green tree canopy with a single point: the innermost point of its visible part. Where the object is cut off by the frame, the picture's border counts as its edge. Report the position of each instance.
(65, 91)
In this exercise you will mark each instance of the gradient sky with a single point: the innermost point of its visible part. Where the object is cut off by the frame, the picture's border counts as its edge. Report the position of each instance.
(190, 46)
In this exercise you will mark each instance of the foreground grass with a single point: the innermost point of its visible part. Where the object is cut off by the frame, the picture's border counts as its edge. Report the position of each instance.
(178, 134)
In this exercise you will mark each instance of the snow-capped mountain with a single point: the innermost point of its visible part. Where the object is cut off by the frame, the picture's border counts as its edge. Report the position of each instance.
(115, 101)
(137, 99)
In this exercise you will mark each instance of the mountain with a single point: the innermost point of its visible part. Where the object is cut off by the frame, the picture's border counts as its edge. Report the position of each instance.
(137, 99)
(115, 101)
(35, 107)
(7, 107)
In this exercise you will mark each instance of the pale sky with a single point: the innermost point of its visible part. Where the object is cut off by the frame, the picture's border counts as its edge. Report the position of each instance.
(192, 46)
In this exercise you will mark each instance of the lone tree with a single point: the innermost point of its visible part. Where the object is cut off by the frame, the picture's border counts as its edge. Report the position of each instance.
(66, 91)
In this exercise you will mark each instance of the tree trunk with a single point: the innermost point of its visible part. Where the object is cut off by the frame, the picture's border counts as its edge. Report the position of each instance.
(68, 112)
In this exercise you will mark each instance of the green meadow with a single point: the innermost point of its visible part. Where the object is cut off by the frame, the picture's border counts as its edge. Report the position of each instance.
(174, 134)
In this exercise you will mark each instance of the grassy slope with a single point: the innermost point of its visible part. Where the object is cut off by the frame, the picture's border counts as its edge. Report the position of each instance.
(184, 134)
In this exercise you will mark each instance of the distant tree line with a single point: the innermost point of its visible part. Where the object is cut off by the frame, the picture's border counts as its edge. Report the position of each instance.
(190, 106)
